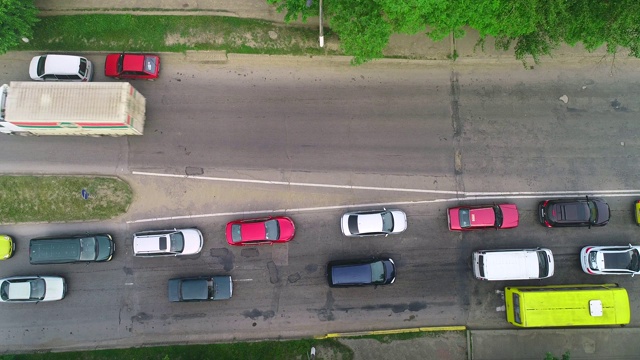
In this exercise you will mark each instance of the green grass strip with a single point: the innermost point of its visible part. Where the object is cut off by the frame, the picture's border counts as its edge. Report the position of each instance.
(263, 350)
(59, 198)
(150, 33)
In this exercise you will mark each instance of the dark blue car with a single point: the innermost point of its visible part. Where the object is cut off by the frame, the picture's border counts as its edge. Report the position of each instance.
(372, 271)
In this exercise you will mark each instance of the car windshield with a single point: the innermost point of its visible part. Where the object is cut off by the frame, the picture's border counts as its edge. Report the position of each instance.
(104, 247)
(387, 222)
(87, 249)
(272, 229)
(543, 264)
(499, 217)
(377, 272)
(593, 210)
(83, 67)
(634, 264)
(177, 242)
(120, 62)
(38, 287)
(465, 221)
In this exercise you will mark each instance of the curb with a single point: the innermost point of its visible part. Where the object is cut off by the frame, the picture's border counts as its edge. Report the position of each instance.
(392, 331)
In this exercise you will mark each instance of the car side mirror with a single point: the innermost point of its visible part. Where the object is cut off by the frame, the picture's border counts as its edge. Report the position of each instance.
(385, 235)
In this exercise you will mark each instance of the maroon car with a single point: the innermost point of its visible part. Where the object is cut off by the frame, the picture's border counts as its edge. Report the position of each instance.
(268, 230)
(503, 216)
(132, 66)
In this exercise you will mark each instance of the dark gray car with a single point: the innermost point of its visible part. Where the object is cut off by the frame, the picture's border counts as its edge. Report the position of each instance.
(372, 271)
(202, 288)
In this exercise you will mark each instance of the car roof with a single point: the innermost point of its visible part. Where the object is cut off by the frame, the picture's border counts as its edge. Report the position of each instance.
(133, 62)
(368, 223)
(151, 243)
(485, 216)
(195, 289)
(253, 231)
(20, 290)
(62, 64)
(351, 274)
(570, 211)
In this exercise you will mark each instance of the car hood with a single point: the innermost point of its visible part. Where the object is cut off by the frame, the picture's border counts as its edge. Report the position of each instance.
(604, 213)
(33, 68)
(192, 241)
(287, 229)
(222, 287)
(55, 288)
(454, 219)
(510, 216)
(399, 221)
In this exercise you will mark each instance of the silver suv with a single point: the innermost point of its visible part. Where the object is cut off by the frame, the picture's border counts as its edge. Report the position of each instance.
(174, 242)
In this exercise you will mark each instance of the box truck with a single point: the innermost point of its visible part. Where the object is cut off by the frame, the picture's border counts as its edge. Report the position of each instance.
(57, 108)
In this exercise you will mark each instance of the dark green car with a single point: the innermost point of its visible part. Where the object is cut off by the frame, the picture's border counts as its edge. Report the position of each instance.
(202, 288)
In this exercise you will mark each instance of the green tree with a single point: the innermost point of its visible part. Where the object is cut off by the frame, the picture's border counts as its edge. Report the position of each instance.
(533, 28)
(17, 18)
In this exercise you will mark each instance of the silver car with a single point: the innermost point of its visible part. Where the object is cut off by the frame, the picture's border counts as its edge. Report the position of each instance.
(32, 288)
(174, 242)
(610, 260)
(374, 222)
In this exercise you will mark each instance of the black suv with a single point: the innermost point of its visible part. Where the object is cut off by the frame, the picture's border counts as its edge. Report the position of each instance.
(574, 212)
(376, 271)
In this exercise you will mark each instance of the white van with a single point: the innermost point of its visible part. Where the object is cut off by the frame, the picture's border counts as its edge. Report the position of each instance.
(60, 68)
(525, 264)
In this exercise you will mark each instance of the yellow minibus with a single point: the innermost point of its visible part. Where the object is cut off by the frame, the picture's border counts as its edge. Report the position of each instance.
(567, 305)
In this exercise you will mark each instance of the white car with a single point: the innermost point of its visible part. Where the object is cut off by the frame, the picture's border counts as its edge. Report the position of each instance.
(32, 288)
(611, 260)
(374, 222)
(60, 68)
(174, 242)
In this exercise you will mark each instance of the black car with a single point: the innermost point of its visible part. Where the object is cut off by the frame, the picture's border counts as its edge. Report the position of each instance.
(372, 271)
(201, 288)
(574, 212)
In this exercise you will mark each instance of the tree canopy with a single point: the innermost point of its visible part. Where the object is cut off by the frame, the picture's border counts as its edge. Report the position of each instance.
(17, 18)
(533, 27)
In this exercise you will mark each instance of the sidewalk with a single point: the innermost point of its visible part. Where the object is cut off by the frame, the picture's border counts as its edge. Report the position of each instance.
(408, 46)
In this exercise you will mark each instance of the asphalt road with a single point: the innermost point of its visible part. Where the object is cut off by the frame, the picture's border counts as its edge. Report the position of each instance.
(466, 129)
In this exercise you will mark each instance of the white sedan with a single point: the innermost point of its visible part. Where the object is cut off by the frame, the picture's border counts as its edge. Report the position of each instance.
(374, 222)
(174, 242)
(610, 260)
(32, 288)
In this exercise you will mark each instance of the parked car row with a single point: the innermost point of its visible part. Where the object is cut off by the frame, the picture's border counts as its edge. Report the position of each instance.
(52, 67)
(497, 264)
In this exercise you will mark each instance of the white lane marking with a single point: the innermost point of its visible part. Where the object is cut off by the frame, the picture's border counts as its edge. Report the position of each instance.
(128, 283)
(460, 196)
(288, 183)
(264, 212)
(238, 280)
(323, 208)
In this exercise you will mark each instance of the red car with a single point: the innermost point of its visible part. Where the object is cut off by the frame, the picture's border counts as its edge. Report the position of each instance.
(503, 216)
(132, 66)
(269, 230)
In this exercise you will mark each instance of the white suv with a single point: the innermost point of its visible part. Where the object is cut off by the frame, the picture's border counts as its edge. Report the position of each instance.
(60, 68)
(174, 242)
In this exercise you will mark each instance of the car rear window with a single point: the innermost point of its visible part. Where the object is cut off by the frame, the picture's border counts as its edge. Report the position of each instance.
(177, 242)
(465, 220)
(83, 67)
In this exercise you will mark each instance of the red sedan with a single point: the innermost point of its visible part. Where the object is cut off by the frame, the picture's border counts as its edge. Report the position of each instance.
(132, 66)
(269, 230)
(503, 216)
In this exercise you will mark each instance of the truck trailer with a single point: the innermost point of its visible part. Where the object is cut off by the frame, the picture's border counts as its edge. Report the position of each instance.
(65, 108)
